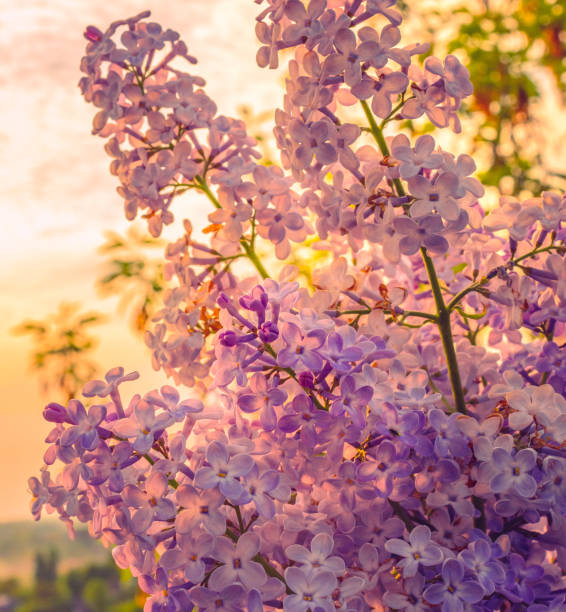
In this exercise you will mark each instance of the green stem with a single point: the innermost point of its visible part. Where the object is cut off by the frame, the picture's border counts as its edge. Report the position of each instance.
(551, 247)
(293, 375)
(252, 256)
(469, 289)
(240, 519)
(442, 318)
(479, 284)
(380, 139)
(394, 110)
(437, 390)
(269, 569)
(203, 186)
(415, 313)
(402, 514)
(246, 245)
(443, 322)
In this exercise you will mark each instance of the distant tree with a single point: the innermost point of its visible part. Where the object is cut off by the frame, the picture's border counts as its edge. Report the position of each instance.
(62, 348)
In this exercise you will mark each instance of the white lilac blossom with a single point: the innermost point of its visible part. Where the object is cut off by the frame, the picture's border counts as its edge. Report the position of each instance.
(351, 444)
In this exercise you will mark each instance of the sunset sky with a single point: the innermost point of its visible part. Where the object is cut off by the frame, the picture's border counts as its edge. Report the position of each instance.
(58, 197)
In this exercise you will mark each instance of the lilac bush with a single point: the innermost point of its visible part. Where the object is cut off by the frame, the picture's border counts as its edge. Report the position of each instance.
(390, 437)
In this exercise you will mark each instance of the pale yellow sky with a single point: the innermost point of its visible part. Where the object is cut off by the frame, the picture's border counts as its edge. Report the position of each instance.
(57, 195)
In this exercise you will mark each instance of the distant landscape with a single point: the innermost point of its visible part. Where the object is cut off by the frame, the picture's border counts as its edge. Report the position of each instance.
(21, 541)
(43, 570)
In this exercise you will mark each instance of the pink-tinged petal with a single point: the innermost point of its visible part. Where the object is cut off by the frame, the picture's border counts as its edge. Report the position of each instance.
(396, 82)
(449, 209)
(250, 403)
(143, 443)
(222, 577)
(319, 130)
(282, 250)
(335, 565)
(434, 65)
(121, 556)
(215, 523)
(69, 436)
(519, 420)
(345, 41)
(156, 485)
(447, 184)
(420, 536)
(291, 334)
(294, 221)
(453, 571)
(141, 520)
(424, 145)
(254, 575)
(381, 105)
(296, 552)
(248, 546)
(437, 116)
(492, 425)
(172, 558)
(206, 478)
(412, 109)
(326, 153)
(96, 414)
(186, 495)
(500, 483)
(296, 579)
(240, 465)
(70, 478)
(367, 50)
(94, 387)
(420, 208)
(216, 454)
(231, 489)
(419, 186)
(133, 496)
(186, 521)
(322, 544)
(170, 394)
(323, 583)
(191, 406)
(144, 414)
(295, 11)
(527, 458)
(525, 486)
(276, 233)
(398, 547)
(224, 550)
(390, 36)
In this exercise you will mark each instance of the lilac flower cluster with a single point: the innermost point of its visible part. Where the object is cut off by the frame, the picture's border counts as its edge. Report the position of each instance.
(392, 436)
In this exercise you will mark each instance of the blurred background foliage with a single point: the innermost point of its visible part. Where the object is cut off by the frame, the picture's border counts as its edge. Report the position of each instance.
(62, 348)
(516, 53)
(133, 272)
(42, 570)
